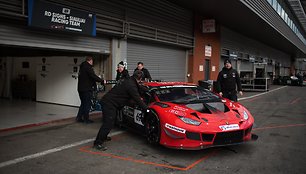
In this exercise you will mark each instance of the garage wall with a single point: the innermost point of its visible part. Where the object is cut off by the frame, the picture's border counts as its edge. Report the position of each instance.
(18, 69)
(234, 41)
(56, 84)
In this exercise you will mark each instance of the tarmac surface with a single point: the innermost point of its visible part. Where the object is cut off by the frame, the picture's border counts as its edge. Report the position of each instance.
(66, 147)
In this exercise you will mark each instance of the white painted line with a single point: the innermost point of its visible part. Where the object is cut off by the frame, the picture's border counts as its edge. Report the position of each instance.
(57, 149)
(244, 98)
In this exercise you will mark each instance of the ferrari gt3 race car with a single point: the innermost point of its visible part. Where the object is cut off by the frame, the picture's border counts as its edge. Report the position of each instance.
(186, 116)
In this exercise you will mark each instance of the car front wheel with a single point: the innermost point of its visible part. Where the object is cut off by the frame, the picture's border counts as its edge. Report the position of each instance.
(152, 128)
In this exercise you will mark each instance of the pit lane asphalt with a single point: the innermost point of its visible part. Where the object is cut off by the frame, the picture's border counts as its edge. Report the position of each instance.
(280, 118)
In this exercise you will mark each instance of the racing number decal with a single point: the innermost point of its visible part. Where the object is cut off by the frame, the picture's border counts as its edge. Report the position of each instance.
(138, 117)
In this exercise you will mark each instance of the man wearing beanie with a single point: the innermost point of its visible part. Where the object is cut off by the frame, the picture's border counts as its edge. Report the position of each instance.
(227, 80)
(121, 71)
(114, 100)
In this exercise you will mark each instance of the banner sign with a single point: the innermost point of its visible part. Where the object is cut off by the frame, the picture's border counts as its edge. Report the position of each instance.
(208, 26)
(47, 15)
(208, 50)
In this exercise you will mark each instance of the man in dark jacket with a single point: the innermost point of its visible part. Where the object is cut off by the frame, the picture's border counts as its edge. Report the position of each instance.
(146, 75)
(122, 73)
(86, 84)
(116, 98)
(227, 80)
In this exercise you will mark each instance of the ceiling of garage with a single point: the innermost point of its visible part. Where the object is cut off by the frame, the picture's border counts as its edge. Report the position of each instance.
(229, 14)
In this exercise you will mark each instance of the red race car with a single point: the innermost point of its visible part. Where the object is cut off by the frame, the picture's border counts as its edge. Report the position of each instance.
(186, 116)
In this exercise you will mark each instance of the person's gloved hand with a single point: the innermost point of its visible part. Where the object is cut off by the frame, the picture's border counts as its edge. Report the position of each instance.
(103, 82)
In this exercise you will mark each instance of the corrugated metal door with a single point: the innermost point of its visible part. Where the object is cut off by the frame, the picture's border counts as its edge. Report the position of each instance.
(246, 66)
(17, 35)
(269, 68)
(163, 62)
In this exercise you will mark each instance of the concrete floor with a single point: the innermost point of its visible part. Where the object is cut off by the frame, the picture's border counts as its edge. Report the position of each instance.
(15, 113)
(67, 148)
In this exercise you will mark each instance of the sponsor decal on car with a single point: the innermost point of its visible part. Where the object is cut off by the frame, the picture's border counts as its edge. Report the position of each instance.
(177, 112)
(229, 127)
(180, 108)
(174, 128)
(129, 111)
(138, 115)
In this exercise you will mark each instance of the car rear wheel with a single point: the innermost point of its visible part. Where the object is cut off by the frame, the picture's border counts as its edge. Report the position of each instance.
(152, 128)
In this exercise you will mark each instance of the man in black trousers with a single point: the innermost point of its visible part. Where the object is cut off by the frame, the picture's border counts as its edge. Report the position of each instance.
(228, 82)
(86, 84)
(116, 98)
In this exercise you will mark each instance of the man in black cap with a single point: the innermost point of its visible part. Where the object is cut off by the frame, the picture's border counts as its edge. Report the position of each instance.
(86, 84)
(112, 101)
(227, 80)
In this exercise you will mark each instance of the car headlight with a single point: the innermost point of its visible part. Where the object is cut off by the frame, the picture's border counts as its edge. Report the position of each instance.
(190, 121)
(245, 115)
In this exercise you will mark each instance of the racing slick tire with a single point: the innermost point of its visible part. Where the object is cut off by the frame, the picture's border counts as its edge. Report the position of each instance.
(152, 128)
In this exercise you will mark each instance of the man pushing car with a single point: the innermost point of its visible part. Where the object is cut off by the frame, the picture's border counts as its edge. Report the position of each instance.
(112, 101)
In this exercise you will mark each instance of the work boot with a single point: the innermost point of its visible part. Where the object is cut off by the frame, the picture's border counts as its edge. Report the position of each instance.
(88, 121)
(78, 119)
(101, 147)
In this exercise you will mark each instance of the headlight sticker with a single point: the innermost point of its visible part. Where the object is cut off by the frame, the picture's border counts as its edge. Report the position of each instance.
(174, 128)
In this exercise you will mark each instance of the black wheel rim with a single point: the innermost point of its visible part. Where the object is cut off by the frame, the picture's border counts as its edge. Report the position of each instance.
(153, 130)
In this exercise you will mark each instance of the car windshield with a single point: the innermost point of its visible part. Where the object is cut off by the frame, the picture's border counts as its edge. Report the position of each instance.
(185, 94)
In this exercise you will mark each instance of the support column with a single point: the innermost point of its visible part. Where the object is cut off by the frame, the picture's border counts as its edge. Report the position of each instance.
(119, 53)
(197, 60)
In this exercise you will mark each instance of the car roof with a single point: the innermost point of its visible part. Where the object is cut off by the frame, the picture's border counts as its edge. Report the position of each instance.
(161, 84)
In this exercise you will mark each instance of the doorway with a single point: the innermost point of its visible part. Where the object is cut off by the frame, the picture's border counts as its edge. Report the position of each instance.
(207, 69)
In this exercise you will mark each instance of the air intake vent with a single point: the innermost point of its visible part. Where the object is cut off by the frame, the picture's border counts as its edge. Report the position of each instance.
(207, 137)
(193, 136)
(228, 137)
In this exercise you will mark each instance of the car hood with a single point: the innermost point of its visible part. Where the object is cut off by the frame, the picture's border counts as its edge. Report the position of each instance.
(208, 112)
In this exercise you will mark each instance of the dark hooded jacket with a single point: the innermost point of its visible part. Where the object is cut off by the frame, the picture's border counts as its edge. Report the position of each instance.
(122, 75)
(122, 92)
(227, 80)
(87, 78)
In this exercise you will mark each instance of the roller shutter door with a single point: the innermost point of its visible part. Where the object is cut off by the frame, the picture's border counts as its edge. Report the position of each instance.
(163, 62)
(15, 35)
(246, 66)
(269, 68)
